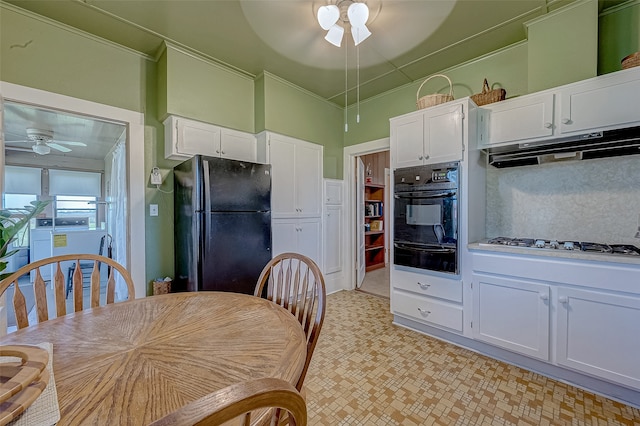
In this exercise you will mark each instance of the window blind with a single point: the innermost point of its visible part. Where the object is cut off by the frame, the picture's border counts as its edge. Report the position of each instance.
(22, 180)
(69, 182)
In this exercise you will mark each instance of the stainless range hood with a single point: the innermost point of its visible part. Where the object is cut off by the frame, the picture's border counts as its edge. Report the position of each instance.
(610, 143)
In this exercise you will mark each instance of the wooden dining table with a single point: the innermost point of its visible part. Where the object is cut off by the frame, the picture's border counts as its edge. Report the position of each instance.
(134, 362)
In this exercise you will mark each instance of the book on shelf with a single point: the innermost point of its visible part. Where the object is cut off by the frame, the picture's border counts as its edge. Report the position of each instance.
(376, 225)
(374, 208)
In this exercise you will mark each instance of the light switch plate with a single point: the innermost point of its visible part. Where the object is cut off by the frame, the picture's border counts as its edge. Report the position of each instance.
(153, 210)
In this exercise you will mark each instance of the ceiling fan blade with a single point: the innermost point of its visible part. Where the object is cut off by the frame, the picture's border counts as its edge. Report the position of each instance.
(6, 141)
(59, 147)
(73, 143)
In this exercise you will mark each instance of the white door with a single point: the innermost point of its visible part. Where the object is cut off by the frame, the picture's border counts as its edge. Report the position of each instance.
(360, 263)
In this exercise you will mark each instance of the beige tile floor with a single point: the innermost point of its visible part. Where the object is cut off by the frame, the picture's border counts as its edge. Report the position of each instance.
(377, 282)
(366, 371)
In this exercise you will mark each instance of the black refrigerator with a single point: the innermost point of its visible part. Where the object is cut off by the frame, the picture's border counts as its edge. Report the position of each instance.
(222, 224)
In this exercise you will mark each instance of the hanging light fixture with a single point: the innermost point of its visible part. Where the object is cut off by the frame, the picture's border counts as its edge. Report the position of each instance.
(356, 16)
(351, 14)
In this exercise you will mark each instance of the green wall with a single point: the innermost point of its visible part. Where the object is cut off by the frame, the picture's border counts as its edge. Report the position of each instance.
(506, 68)
(40, 54)
(563, 46)
(205, 91)
(619, 35)
(295, 112)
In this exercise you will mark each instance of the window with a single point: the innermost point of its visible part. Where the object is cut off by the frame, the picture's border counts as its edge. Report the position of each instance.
(18, 201)
(67, 206)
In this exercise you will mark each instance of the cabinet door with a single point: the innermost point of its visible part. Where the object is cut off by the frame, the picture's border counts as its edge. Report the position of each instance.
(282, 156)
(332, 237)
(197, 138)
(443, 134)
(607, 101)
(407, 141)
(598, 334)
(332, 191)
(308, 179)
(512, 314)
(284, 236)
(310, 239)
(238, 145)
(520, 119)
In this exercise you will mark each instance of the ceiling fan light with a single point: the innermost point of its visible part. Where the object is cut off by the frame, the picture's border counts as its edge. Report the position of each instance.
(328, 16)
(41, 149)
(360, 34)
(358, 14)
(334, 36)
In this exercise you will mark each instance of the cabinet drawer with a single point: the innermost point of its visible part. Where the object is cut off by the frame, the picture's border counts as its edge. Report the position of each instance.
(427, 310)
(427, 285)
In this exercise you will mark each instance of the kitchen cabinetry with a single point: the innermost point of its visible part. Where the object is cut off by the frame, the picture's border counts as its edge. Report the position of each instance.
(333, 229)
(609, 101)
(296, 168)
(601, 103)
(185, 138)
(512, 313)
(429, 299)
(429, 136)
(519, 119)
(301, 236)
(577, 315)
(374, 248)
(598, 334)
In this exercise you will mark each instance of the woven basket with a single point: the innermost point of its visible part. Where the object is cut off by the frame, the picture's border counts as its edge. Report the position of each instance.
(435, 99)
(631, 61)
(488, 96)
(161, 287)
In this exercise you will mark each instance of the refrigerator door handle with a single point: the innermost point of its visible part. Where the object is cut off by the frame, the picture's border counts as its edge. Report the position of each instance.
(207, 186)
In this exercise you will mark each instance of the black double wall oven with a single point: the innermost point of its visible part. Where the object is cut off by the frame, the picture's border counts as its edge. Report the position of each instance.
(426, 217)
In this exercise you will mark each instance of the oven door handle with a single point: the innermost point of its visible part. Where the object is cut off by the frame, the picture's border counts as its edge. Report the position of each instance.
(424, 249)
(425, 195)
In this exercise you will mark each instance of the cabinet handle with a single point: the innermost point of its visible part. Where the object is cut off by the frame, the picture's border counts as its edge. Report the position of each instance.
(424, 286)
(223, 152)
(426, 157)
(544, 296)
(548, 125)
(563, 299)
(424, 312)
(217, 151)
(420, 158)
(566, 121)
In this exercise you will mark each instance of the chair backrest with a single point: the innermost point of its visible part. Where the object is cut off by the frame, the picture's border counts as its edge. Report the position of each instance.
(239, 400)
(295, 282)
(59, 286)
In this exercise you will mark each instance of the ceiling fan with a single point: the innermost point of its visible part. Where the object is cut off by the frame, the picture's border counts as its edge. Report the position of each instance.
(43, 141)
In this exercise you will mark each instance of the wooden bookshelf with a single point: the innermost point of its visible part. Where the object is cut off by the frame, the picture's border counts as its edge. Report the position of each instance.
(374, 226)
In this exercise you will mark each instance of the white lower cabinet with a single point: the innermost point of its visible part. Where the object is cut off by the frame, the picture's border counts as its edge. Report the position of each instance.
(512, 314)
(428, 310)
(301, 236)
(332, 237)
(429, 299)
(598, 334)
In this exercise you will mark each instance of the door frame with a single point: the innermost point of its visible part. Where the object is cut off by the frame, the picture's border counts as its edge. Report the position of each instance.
(134, 122)
(349, 174)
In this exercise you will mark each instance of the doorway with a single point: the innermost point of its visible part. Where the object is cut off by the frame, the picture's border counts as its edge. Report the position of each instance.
(373, 241)
(355, 216)
(130, 124)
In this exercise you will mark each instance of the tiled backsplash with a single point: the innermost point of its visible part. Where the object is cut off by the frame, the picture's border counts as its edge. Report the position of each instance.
(591, 200)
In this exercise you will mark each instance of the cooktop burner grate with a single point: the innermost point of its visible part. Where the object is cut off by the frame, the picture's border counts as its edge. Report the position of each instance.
(617, 249)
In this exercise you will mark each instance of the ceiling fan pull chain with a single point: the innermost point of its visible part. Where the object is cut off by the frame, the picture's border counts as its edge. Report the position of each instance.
(346, 88)
(358, 81)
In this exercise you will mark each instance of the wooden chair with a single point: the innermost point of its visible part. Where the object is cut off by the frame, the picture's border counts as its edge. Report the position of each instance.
(59, 284)
(239, 400)
(295, 282)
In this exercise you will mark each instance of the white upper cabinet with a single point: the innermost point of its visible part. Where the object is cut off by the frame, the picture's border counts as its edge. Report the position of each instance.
(296, 169)
(429, 136)
(610, 101)
(185, 138)
(520, 119)
(601, 103)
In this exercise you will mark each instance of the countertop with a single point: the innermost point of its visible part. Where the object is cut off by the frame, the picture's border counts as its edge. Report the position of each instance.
(555, 253)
